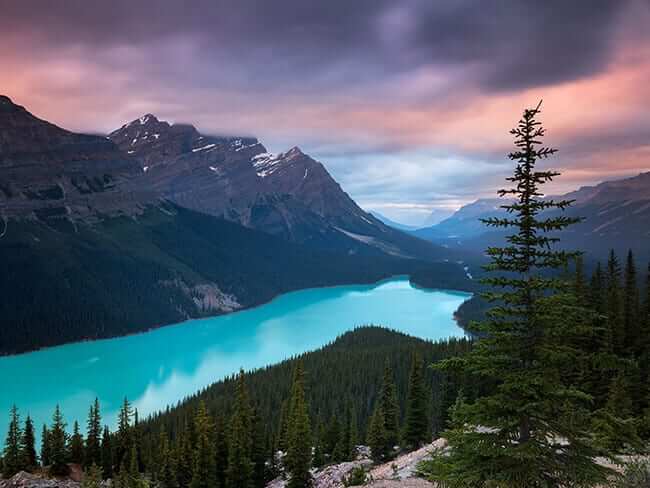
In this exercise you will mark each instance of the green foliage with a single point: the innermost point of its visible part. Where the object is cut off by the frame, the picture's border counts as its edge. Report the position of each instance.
(240, 465)
(204, 471)
(92, 477)
(93, 454)
(28, 446)
(46, 449)
(123, 275)
(532, 429)
(12, 458)
(636, 475)
(76, 448)
(107, 454)
(58, 442)
(376, 437)
(298, 458)
(357, 477)
(416, 423)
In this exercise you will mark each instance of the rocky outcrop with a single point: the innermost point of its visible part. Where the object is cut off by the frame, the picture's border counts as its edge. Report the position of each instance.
(28, 480)
(400, 472)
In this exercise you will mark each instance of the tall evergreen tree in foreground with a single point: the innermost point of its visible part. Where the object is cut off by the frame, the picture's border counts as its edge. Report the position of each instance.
(94, 436)
(529, 431)
(28, 446)
(13, 461)
(298, 458)
(45, 447)
(239, 473)
(390, 408)
(76, 448)
(58, 443)
(416, 422)
(204, 469)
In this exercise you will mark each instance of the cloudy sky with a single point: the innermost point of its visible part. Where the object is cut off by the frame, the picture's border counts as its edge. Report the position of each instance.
(408, 103)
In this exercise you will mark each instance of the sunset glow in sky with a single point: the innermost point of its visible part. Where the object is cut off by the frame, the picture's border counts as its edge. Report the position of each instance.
(408, 103)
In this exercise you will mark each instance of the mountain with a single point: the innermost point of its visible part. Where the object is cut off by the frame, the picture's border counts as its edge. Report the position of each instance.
(464, 223)
(393, 224)
(616, 215)
(290, 194)
(48, 172)
(436, 216)
(157, 224)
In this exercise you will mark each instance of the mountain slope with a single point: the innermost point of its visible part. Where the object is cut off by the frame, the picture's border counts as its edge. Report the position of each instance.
(288, 194)
(48, 171)
(616, 215)
(122, 275)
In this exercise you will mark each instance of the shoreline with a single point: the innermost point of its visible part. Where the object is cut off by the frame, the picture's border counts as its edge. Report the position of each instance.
(242, 309)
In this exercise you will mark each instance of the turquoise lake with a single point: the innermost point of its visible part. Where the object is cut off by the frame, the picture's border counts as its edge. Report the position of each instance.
(160, 367)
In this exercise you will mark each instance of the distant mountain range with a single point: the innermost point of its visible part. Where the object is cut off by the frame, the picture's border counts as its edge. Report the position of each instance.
(616, 216)
(394, 224)
(157, 223)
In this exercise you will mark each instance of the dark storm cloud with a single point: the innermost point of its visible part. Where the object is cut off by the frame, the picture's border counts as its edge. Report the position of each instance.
(508, 45)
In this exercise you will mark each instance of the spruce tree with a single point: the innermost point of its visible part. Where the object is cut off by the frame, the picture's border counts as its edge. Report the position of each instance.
(46, 458)
(184, 454)
(204, 470)
(76, 448)
(240, 465)
(107, 454)
(416, 421)
(28, 446)
(614, 304)
(390, 408)
(124, 435)
(166, 469)
(58, 443)
(319, 447)
(12, 455)
(92, 477)
(597, 290)
(376, 436)
(524, 432)
(93, 436)
(221, 448)
(353, 435)
(631, 307)
(258, 454)
(298, 459)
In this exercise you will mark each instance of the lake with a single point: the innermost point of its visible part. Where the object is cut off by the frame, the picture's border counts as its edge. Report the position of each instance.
(160, 367)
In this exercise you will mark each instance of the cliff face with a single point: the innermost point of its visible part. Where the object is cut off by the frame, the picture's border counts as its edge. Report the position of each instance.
(47, 172)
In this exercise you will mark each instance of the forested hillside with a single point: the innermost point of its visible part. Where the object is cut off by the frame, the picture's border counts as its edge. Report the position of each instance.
(247, 418)
(64, 281)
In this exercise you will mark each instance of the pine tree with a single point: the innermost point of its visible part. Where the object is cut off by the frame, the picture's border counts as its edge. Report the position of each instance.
(416, 422)
(184, 456)
(166, 474)
(92, 477)
(258, 455)
(509, 436)
(597, 290)
(12, 456)
(93, 436)
(390, 408)
(124, 435)
(58, 443)
(46, 458)
(221, 448)
(580, 286)
(298, 458)
(332, 436)
(319, 447)
(204, 470)
(28, 446)
(377, 436)
(240, 466)
(107, 454)
(353, 435)
(631, 307)
(76, 448)
(614, 304)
